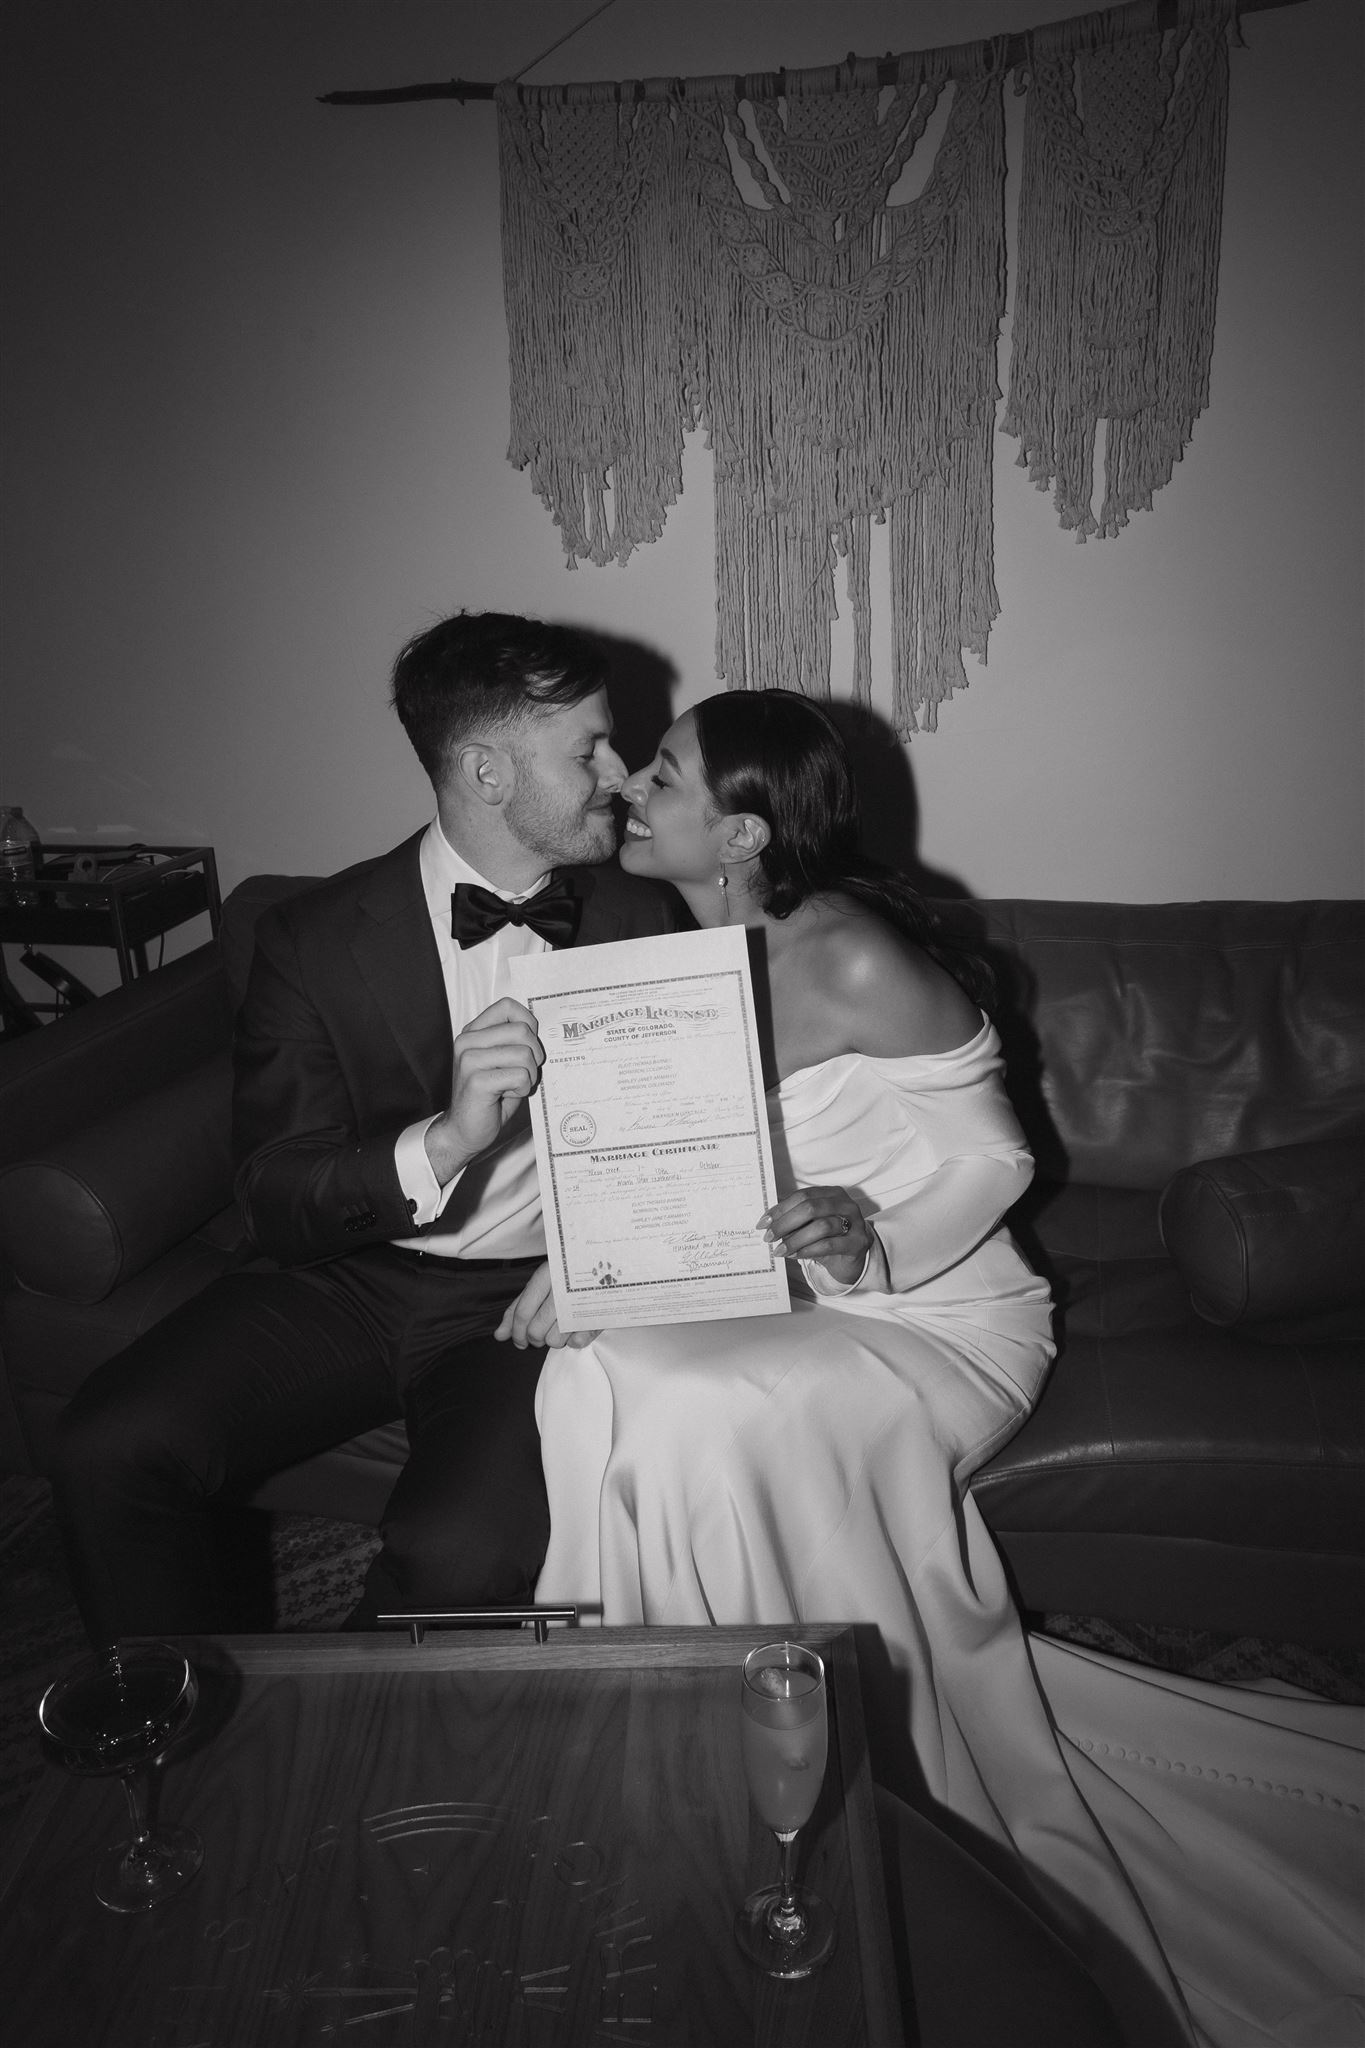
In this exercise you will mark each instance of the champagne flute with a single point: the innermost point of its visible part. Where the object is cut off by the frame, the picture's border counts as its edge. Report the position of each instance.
(118, 1712)
(786, 1928)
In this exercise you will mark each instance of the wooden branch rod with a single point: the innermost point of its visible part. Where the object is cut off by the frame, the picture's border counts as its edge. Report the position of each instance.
(768, 83)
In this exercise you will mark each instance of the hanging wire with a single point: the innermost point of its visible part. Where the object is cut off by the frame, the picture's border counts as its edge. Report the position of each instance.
(568, 36)
(462, 89)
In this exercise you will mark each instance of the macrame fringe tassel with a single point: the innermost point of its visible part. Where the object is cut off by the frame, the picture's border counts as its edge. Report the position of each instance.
(590, 198)
(1119, 215)
(846, 372)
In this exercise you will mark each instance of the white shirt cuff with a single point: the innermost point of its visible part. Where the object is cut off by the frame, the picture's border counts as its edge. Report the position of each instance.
(425, 1196)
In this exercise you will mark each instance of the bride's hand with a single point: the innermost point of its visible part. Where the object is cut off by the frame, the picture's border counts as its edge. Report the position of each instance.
(530, 1319)
(825, 1224)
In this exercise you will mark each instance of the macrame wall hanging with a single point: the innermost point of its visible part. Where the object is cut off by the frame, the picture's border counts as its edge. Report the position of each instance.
(1120, 210)
(731, 255)
(592, 200)
(846, 371)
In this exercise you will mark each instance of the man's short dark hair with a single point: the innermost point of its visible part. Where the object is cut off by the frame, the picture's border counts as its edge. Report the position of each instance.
(480, 675)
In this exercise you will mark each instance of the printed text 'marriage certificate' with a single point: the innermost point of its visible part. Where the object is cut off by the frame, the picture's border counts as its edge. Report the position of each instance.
(651, 1133)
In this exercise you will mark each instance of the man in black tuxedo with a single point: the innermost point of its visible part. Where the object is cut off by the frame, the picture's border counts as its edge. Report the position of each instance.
(386, 1173)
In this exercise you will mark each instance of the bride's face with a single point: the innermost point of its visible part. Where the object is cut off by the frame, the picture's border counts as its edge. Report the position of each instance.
(672, 829)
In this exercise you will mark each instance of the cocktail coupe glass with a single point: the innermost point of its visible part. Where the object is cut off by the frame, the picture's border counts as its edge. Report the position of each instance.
(786, 1928)
(117, 1713)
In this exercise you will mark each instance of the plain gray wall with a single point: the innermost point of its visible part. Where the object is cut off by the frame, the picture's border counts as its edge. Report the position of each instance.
(255, 423)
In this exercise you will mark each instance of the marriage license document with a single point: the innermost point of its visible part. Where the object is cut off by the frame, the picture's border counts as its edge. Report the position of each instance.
(651, 1131)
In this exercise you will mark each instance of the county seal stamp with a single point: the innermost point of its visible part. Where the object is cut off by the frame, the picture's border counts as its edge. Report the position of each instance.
(577, 1128)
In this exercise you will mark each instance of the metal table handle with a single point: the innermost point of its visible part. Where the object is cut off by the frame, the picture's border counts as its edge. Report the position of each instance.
(479, 1617)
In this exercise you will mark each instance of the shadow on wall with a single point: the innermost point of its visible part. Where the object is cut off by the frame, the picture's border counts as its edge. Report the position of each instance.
(886, 795)
(642, 682)
(641, 688)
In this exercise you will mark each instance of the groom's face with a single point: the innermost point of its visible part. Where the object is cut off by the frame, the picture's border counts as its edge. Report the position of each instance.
(566, 773)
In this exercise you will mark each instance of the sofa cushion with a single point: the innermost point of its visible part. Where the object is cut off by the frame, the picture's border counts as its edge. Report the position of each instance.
(1100, 1251)
(1273, 1239)
(1081, 1221)
(135, 1038)
(1193, 1434)
(1143, 1037)
(53, 1345)
(98, 1205)
(237, 932)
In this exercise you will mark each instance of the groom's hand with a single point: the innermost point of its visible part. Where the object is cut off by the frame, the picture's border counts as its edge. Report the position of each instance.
(497, 1062)
(530, 1319)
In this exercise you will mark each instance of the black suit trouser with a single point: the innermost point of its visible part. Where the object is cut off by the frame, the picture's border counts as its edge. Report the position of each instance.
(265, 1368)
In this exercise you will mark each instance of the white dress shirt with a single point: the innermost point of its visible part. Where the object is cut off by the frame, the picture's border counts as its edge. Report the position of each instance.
(494, 1202)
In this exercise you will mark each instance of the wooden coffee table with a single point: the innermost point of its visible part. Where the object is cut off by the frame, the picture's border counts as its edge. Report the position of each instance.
(475, 1839)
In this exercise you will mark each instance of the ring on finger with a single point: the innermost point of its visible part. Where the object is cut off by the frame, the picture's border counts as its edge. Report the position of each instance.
(845, 1225)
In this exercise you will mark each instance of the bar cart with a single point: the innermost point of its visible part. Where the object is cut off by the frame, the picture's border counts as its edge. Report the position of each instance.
(118, 896)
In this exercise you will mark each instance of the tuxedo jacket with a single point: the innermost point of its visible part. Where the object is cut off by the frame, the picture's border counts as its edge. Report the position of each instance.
(345, 1038)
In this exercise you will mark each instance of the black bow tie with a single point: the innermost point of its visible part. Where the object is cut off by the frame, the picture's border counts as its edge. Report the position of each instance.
(477, 913)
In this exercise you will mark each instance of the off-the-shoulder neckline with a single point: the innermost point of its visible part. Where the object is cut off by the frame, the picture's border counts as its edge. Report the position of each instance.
(868, 1059)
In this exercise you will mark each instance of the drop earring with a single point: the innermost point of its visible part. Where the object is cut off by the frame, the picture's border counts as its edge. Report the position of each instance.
(723, 884)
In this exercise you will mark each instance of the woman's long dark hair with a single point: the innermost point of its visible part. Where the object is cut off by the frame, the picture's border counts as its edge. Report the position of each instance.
(780, 755)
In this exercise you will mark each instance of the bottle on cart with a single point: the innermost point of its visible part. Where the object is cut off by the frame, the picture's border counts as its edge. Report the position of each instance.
(20, 854)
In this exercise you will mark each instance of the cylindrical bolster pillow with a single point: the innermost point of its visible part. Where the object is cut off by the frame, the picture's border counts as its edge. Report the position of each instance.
(1266, 1235)
(101, 1203)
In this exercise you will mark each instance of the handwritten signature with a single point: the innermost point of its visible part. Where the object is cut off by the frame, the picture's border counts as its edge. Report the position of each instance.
(678, 1119)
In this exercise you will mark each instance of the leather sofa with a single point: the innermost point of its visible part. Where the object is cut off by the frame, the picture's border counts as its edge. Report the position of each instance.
(1192, 1079)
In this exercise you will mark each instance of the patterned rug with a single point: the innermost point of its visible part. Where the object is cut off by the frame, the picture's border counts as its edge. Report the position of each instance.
(1222, 1660)
(318, 1566)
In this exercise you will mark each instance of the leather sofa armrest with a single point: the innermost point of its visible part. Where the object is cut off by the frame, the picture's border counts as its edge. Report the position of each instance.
(98, 1204)
(1271, 1241)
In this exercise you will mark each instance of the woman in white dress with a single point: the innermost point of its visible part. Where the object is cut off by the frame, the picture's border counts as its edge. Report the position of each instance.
(1194, 1845)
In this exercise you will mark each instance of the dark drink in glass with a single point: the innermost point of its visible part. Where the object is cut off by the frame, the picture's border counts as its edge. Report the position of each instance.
(116, 1713)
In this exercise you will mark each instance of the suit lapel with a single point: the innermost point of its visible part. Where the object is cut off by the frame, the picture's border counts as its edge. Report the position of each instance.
(394, 950)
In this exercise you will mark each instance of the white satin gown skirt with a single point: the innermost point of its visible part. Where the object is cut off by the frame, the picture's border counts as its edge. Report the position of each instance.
(814, 1467)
